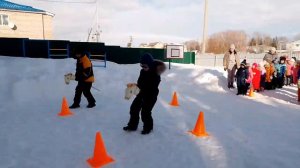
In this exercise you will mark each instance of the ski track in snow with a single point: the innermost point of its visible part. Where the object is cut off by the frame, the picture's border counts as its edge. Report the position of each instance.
(244, 132)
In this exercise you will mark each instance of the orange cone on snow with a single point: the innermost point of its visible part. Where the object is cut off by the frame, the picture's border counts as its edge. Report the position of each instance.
(199, 129)
(174, 101)
(251, 92)
(100, 157)
(65, 111)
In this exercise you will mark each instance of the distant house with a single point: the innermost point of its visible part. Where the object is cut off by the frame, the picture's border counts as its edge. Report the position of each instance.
(293, 46)
(20, 21)
(157, 45)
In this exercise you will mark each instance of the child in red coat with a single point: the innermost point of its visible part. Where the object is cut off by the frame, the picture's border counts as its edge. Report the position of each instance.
(256, 77)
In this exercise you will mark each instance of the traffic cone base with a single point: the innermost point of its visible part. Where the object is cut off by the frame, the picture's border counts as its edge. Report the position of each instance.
(100, 157)
(200, 135)
(199, 130)
(251, 93)
(99, 163)
(174, 101)
(65, 111)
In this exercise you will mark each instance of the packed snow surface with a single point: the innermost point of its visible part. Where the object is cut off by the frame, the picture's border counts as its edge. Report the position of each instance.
(259, 132)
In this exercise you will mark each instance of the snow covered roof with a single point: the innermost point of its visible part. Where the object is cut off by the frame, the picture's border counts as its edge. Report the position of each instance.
(295, 42)
(6, 5)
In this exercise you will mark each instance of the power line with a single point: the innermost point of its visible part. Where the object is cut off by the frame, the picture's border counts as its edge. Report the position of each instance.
(78, 2)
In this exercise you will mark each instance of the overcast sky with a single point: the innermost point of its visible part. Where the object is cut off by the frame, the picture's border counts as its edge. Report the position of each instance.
(170, 20)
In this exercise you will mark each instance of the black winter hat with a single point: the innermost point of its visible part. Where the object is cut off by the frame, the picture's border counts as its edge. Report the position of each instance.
(244, 62)
(147, 59)
(283, 58)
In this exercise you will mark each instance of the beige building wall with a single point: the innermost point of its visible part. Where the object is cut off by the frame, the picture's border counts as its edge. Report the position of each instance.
(29, 25)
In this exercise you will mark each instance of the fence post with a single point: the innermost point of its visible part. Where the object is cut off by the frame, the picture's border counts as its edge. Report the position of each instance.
(23, 48)
(105, 60)
(215, 64)
(68, 50)
(48, 47)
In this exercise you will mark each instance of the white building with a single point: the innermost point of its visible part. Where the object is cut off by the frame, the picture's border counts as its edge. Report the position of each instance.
(293, 46)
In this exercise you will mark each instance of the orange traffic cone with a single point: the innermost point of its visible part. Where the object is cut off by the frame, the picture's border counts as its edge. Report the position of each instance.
(100, 157)
(174, 101)
(199, 129)
(65, 111)
(251, 92)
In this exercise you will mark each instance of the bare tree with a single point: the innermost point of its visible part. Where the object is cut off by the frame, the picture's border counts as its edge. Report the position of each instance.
(220, 42)
(192, 45)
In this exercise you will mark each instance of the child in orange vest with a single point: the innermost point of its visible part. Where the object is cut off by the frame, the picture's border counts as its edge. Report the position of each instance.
(269, 75)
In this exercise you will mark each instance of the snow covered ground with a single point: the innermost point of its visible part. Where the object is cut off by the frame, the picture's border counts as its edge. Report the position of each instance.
(245, 132)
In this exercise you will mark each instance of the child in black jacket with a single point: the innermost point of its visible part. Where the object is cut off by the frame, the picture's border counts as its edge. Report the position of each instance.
(148, 83)
(242, 75)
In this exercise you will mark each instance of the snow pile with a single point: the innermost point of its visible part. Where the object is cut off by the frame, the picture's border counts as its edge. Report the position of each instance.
(245, 132)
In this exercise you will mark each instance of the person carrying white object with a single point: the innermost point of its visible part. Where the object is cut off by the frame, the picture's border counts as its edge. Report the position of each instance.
(131, 89)
(144, 102)
(85, 77)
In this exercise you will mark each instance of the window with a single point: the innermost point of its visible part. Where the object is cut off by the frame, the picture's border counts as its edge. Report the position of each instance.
(4, 20)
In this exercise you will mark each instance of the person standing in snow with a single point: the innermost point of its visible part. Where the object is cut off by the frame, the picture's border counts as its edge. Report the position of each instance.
(289, 71)
(242, 76)
(295, 71)
(250, 76)
(263, 76)
(144, 102)
(256, 77)
(270, 70)
(231, 63)
(271, 56)
(281, 70)
(85, 77)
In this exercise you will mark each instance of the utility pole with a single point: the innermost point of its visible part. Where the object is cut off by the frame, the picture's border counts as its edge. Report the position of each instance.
(97, 22)
(205, 27)
(129, 45)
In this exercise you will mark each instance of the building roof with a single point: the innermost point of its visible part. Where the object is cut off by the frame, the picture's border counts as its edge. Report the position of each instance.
(6, 5)
(297, 41)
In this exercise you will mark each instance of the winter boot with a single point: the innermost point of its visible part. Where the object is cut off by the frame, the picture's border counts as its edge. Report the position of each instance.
(146, 131)
(129, 129)
(74, 106)
(91, 105)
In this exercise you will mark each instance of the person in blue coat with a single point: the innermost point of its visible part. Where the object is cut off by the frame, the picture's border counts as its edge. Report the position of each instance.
(281, 70)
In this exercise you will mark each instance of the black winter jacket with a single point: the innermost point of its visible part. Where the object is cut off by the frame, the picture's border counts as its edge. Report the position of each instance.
(148, 83)
(242, 75)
